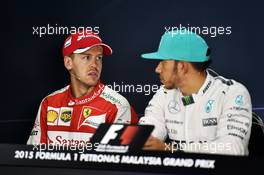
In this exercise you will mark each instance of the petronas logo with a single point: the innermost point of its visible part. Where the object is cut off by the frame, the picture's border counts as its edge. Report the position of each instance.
(209, 106)
(239, 100)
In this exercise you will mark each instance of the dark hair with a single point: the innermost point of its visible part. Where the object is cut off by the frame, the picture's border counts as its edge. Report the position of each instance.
(201, 66)
(71, 55)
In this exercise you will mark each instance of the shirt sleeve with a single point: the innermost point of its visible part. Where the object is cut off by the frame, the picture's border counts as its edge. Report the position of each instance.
(234, 125)
(38, 134)
(124, 113)
(154, 115)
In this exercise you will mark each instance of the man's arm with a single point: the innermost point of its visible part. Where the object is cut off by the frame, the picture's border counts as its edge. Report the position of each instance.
(38, 134)
(125, 114)
(154, 115)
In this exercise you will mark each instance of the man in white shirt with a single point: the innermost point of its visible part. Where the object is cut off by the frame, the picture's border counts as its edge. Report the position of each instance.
(196, 109)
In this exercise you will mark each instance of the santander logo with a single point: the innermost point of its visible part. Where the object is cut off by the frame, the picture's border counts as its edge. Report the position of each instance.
(68, 138)
(62, 141)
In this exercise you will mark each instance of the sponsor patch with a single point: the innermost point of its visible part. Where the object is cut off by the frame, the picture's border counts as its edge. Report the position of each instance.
(86, 112)
(207, 87)
(235, 108)
(210, 122)
(236, 135)
(52, 116)
(111, 98)
(209, 106)
(187, 100)
(68, 138)
(173, 107)
(172, 131)
(94, 121)
(36, 124)
(239, 100)
(65, 116)
(174, 121)
(34, 133)
(235, 121)
(240, 129)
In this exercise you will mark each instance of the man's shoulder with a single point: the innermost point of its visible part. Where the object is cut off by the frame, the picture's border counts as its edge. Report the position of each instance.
(162, 91)
(58, 93)
(114, 97)
(164, 95)
(228, 85)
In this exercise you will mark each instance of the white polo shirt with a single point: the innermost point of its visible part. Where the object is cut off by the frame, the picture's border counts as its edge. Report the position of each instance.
(215, 120)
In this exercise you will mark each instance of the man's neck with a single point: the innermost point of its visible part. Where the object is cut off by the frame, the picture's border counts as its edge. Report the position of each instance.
(193, 83)
(79, 89)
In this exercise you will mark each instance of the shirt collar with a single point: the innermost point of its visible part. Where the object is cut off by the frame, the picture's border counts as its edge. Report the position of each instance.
(203, 90)
(98, 89)
(206, 85)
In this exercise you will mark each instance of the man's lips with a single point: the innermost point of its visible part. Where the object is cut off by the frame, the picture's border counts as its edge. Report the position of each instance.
(93, 74)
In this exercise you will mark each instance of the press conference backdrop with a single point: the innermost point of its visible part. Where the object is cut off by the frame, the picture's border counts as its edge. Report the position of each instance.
(31, 50)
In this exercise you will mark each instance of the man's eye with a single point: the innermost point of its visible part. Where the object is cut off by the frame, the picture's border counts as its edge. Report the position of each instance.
(99, 57)
(85, 58)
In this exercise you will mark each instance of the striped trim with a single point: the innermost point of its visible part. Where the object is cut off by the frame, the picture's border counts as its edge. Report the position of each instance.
(59, 91)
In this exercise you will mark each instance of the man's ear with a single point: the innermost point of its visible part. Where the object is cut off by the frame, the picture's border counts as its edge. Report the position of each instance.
(183, 67)
(67, 62)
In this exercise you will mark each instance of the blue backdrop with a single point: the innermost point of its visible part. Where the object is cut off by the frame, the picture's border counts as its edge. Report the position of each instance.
(32, 66)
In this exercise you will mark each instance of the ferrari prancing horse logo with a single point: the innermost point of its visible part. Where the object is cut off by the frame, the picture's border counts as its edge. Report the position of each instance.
(86, 112)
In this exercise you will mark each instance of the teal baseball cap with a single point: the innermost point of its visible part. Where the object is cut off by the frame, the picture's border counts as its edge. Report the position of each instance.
(181, 45)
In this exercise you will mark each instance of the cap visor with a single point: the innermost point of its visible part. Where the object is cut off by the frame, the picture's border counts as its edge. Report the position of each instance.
(153, 55)
(106, 49)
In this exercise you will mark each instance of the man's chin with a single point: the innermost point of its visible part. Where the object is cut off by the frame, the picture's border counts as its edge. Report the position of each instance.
(91, 83)
(168, 86)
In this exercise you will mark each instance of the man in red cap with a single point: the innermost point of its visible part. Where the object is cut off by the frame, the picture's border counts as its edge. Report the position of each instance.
(72, 114)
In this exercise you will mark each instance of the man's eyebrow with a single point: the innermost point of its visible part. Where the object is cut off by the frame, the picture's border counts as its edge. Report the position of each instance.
(88, 54)
(85, 54)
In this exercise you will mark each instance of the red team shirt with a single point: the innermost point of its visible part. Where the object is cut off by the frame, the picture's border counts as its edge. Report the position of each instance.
(63, 119)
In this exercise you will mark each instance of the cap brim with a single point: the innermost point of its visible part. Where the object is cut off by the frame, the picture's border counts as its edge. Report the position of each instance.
(153, 55)
(106, 49)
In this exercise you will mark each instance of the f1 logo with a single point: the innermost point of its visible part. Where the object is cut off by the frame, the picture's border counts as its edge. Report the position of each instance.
(111, 133)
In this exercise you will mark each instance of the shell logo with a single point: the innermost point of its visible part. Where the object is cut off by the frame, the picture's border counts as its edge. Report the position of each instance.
(52, 116)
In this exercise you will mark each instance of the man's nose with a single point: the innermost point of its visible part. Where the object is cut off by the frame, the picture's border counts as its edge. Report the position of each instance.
(94, 63)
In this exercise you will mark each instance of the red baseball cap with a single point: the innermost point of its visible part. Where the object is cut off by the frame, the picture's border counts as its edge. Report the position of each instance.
(82, 41)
